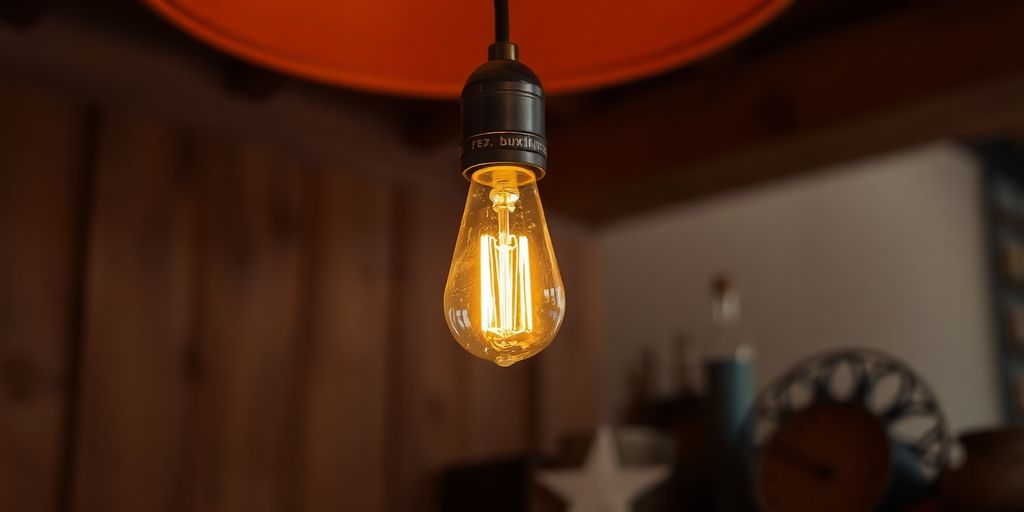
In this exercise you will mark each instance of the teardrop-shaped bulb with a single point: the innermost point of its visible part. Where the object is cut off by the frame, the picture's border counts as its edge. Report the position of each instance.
(504, 300)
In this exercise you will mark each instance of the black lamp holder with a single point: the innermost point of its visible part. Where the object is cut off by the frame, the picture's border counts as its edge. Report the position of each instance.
(503, 108)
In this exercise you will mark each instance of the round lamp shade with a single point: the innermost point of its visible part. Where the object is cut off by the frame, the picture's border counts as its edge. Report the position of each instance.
(427, 48)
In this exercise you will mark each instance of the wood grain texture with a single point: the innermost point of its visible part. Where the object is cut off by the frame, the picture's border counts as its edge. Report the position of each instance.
(245, 415)
(138, 321)
(498, 412)
(428, 424)
(676, 128)
(344, 433)
(568, 376)
(258, 333)
(40, 176)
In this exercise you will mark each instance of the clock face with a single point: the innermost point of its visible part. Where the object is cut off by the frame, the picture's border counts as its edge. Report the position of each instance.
(832, 456)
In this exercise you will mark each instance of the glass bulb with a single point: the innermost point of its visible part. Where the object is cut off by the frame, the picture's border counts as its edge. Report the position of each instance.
(504, 300)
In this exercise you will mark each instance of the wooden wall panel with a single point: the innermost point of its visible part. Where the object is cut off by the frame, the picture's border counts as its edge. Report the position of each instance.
(41, 159)
(428, 426)
(345, 429)
(568, 377)
(257, 334)
(498, 411)
(131, 435)
(249, 344)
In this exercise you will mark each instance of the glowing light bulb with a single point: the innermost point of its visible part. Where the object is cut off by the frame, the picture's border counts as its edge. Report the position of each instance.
(504, 299)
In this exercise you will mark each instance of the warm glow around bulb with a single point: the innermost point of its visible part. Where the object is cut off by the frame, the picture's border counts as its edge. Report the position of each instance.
(504, 300)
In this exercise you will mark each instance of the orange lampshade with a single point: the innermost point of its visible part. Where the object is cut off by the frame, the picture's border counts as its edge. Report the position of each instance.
(426, 48)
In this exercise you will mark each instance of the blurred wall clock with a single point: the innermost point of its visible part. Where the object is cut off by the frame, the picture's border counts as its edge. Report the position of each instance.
(426, 48)
(850, 431)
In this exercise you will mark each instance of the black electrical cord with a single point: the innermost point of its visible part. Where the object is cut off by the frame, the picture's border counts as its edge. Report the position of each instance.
(501, 21)
(503, 108)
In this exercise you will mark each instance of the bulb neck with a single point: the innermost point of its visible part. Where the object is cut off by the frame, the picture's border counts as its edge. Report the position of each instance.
(502, 109)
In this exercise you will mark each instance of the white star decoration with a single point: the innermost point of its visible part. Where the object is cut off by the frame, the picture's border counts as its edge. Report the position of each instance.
(602, 485)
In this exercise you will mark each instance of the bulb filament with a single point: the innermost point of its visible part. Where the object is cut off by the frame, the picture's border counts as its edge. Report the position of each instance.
(505, 295)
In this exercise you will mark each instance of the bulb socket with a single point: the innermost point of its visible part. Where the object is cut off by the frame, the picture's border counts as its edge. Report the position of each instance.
(503, 114)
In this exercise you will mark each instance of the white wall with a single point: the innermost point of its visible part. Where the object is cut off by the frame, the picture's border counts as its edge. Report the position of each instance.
(885, 253)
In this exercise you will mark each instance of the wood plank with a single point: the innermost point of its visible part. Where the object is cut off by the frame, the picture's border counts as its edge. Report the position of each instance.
(41, 153)
(245, 413)
(992, 110)
(668, 128)
(345, 431)
(139, 320)
(125, 57)
(428, 424)
(498, 410)
(569, 387)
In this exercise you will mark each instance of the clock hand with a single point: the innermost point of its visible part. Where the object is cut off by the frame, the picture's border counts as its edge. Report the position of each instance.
(798, 458)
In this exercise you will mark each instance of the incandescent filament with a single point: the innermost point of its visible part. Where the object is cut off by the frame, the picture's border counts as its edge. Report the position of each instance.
(505, 295)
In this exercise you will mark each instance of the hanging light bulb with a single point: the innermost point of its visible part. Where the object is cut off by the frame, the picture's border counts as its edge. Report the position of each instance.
(504, 300)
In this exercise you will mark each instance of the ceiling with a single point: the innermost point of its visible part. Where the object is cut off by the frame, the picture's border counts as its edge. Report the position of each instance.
(826, 81)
